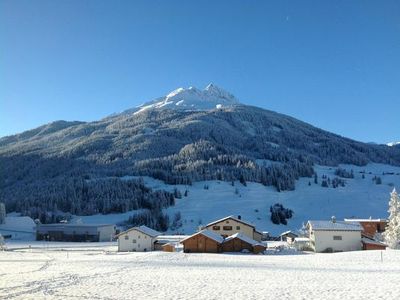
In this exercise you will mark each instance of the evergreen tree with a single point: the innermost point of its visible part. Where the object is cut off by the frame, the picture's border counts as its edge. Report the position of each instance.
(2, 213)
(392, 231)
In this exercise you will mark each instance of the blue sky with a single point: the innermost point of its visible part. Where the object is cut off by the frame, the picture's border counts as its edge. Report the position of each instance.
(334, 64)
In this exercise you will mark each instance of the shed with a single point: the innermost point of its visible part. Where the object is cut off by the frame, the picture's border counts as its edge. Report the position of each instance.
(168, 247)
(161, 240)
(204, 241)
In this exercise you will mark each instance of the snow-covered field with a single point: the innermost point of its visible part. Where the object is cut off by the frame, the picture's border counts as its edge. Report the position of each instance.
(102, 273)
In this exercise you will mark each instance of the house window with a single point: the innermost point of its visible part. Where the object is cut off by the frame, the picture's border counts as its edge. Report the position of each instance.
(337, 237)
(227, 228)
(138, 237)
(216, 227)
(237, 227)
(127, 237)
(134, 241)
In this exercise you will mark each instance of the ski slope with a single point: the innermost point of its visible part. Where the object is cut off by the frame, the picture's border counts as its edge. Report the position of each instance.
(68, 273)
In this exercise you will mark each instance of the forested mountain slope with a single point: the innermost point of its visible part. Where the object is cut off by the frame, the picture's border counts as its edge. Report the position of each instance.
(48, 168)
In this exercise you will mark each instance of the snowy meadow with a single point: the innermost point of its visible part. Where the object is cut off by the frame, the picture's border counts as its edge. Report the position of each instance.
(100, 272)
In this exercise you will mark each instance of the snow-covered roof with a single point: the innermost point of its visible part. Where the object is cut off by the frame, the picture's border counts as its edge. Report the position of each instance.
(366, 240)
(208, 233)
(170, 238)
(147, 230)
(19, 224)
(365, 220)
(232, 218)
(143, 229)
(335, 226)
(242, 237)
(74, 225)
(287, 232)
(301, 239)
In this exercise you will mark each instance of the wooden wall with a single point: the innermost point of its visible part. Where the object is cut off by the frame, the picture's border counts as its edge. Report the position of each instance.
(202, 244)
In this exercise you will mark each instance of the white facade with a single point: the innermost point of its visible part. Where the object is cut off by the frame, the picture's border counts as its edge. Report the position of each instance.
(136, 240)
(335, 237)
(231, 225)
(336, 240)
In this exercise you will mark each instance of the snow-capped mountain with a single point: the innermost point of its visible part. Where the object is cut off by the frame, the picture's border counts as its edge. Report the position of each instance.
(188, 136)
(191, 99)
(391, 144)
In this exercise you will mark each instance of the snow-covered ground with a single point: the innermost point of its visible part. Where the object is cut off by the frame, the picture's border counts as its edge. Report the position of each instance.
(76, 273)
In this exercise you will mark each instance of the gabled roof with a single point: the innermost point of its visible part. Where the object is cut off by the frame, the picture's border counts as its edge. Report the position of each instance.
(143, 229)
(232, 218)
(335, 226)
(242, 237)
(209, 234)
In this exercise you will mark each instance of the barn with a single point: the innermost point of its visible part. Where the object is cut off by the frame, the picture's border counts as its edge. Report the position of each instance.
(204, 241)
(239, 242)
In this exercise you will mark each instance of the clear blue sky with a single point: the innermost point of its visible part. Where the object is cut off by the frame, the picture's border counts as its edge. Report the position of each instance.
(334, 64)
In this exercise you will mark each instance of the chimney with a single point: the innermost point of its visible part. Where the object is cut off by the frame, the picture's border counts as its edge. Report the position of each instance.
(239, 217)
(333, 219)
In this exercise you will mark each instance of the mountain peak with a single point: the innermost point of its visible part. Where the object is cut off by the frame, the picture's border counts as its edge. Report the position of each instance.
(192, 99)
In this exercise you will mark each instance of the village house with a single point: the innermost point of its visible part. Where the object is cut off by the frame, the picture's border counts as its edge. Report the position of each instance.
(231, 225)
(334, 236)
(288, 236)
(205, 241)
(140, 239)
(370, 226)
